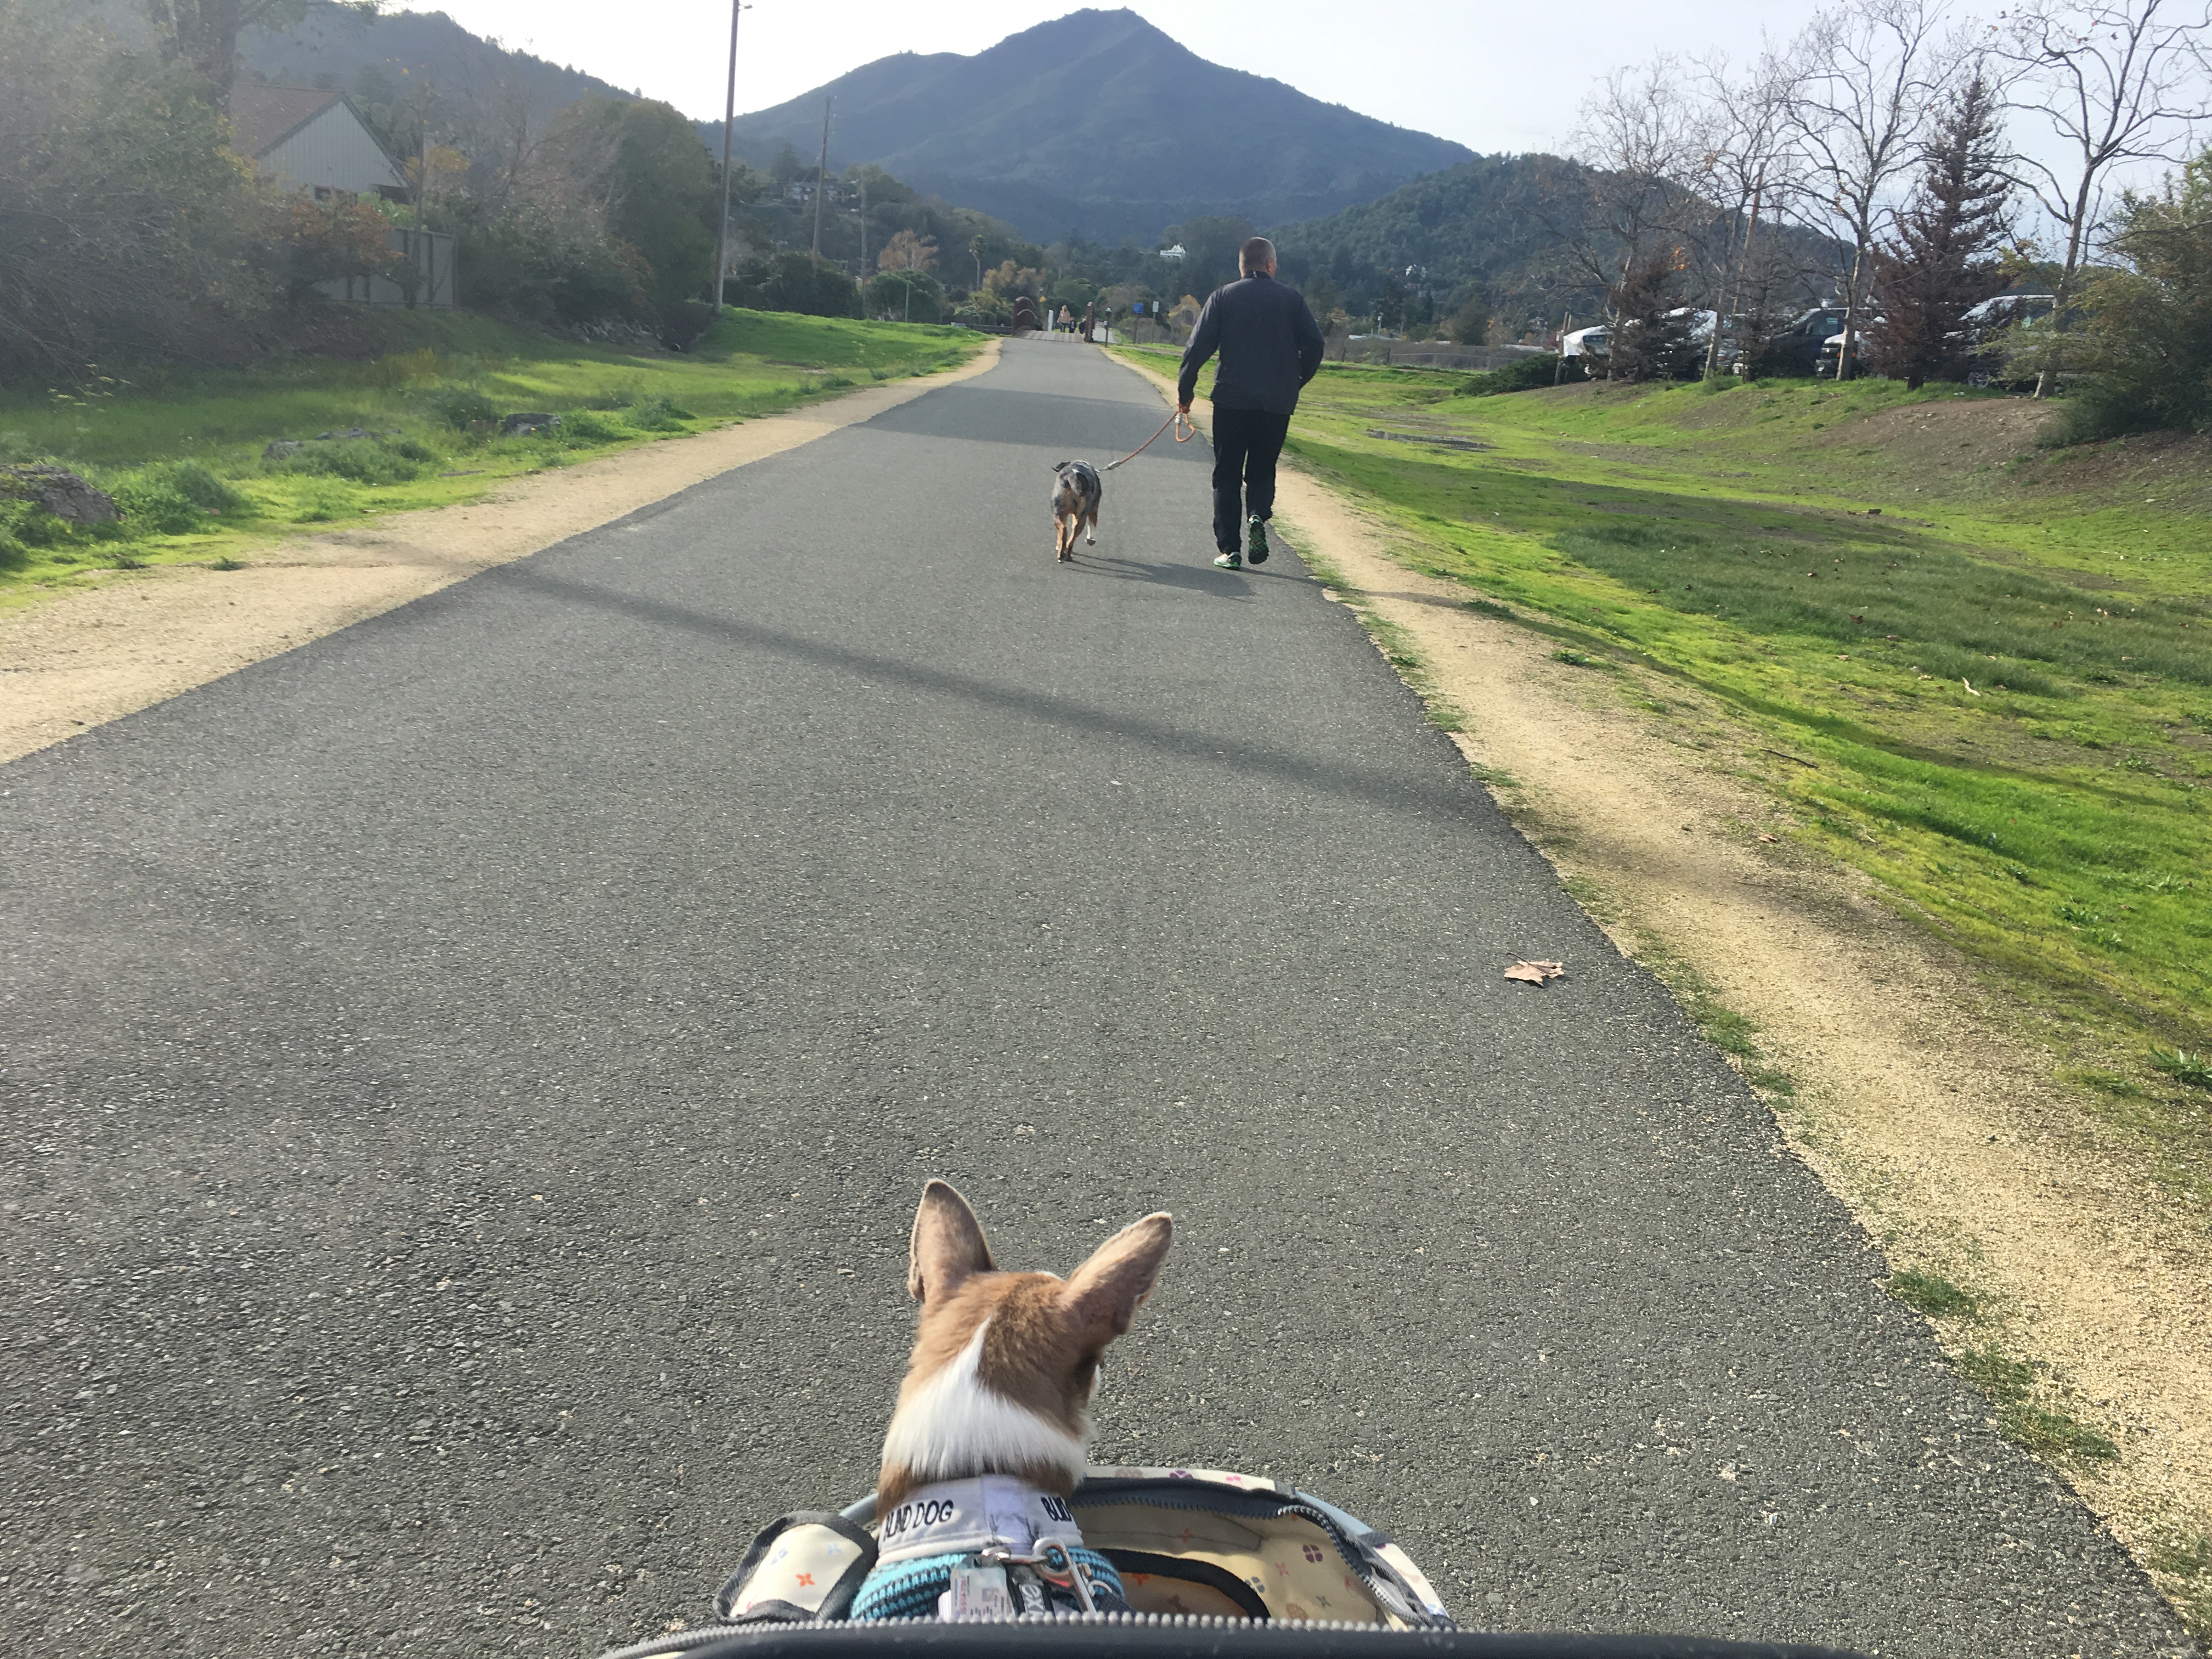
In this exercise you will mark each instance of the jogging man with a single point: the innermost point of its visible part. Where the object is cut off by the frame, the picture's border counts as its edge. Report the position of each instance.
(1270, 347)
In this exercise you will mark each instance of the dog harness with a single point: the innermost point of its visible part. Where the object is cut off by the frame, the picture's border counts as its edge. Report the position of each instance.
(991, 1546)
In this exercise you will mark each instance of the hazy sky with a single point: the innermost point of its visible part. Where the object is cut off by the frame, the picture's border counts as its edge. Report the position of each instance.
(1495, 77)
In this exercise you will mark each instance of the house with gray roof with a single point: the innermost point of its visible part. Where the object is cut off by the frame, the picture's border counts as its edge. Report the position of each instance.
(312, 139)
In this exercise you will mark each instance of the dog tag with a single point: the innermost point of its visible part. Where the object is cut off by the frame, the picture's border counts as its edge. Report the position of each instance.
(976, 1593)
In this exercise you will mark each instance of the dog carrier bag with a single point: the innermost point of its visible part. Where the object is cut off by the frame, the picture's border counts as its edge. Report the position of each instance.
(1205, 1543)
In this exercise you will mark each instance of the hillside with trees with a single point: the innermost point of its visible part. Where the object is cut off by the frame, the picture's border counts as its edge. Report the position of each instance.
(1500, 227)
(1528, 238)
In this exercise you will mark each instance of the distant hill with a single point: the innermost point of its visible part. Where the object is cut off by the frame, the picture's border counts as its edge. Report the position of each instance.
(1501, 224)
(1099, 123)
(1496, 222)
(333, 47)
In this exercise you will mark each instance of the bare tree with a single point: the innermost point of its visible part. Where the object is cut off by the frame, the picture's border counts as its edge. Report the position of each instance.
(2118, 81)
(1644, 143)
(1752, 168)
(1870, 74)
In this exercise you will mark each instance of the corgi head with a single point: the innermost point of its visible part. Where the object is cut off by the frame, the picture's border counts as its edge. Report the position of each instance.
(1004, 1364)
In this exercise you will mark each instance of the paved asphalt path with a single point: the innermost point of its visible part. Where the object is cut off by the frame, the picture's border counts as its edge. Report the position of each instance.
(468, 1079)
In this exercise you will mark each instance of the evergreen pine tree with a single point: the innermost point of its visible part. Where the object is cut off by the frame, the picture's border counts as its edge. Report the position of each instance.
(1942, 261)
(1651, 334)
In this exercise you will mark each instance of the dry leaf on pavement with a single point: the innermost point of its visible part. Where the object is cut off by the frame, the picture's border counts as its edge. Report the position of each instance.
(1535, 973)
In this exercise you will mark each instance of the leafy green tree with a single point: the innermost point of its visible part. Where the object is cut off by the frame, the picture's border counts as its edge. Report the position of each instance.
(1324, 297)
(2149, 334)
(912, 296)
(537, 263)
(793, 280)
(1470, 323)
(126, 226)
(646, 160)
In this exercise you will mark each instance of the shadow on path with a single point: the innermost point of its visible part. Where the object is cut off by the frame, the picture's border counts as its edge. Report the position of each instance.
(1384, 786)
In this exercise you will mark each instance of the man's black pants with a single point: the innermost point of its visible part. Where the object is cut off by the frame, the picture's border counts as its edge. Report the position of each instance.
(1246, 445)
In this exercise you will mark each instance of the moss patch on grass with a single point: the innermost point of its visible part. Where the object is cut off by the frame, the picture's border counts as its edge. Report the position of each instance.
(183, 452)
(2184, 1561)
(1934, 1295)
(2009, 1384)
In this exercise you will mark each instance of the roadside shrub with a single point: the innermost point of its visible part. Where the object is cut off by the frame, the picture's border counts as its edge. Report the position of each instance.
(582, 427)
(685, 325)
(318, 501)
(2149, 338)
(192, 480)
(914, 296)
(13, 556)
(404, 367)
(1525, 375)
(460, 407)
(152, 504)
(659, 413)
(360, 460)
(29, 525)
(792, 281)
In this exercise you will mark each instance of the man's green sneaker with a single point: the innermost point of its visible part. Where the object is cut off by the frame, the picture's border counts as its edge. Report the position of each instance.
(1229, 560)
(1256, 541)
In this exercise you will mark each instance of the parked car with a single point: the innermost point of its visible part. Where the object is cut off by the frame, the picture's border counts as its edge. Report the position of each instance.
(1796, 349)
(1987, 325)
(1832, 349)
(1586, 342)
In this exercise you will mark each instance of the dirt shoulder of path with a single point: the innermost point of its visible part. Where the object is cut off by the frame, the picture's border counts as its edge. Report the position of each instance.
(138, 637)
(1919, 1099)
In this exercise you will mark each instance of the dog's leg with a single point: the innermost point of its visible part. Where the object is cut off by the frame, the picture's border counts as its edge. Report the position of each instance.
(1090, 528)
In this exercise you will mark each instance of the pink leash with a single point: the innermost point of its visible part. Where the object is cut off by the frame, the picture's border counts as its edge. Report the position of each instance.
(1184, 434)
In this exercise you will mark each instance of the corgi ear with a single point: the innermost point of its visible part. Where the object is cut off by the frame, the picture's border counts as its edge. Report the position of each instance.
(947, 1246)
(1103, 1293)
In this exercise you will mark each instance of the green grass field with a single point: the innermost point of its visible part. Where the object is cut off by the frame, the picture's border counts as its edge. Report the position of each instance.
(1979, 670)
(182, 451)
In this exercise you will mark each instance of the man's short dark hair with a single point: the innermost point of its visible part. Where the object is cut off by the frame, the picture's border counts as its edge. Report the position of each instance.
(1257, 252)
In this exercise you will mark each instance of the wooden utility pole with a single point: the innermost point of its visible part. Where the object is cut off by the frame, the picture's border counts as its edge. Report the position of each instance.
(729, 121)
(822, 174)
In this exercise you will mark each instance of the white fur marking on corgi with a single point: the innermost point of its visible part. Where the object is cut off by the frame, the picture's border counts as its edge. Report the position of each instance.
(954, 1425)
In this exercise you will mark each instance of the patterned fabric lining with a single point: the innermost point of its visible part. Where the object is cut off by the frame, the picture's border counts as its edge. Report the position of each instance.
(909, 1589)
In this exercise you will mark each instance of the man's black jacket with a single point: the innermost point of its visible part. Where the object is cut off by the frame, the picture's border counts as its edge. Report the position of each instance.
(1269, 344)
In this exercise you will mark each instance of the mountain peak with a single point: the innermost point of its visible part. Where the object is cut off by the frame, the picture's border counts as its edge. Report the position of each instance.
(1100, 122)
